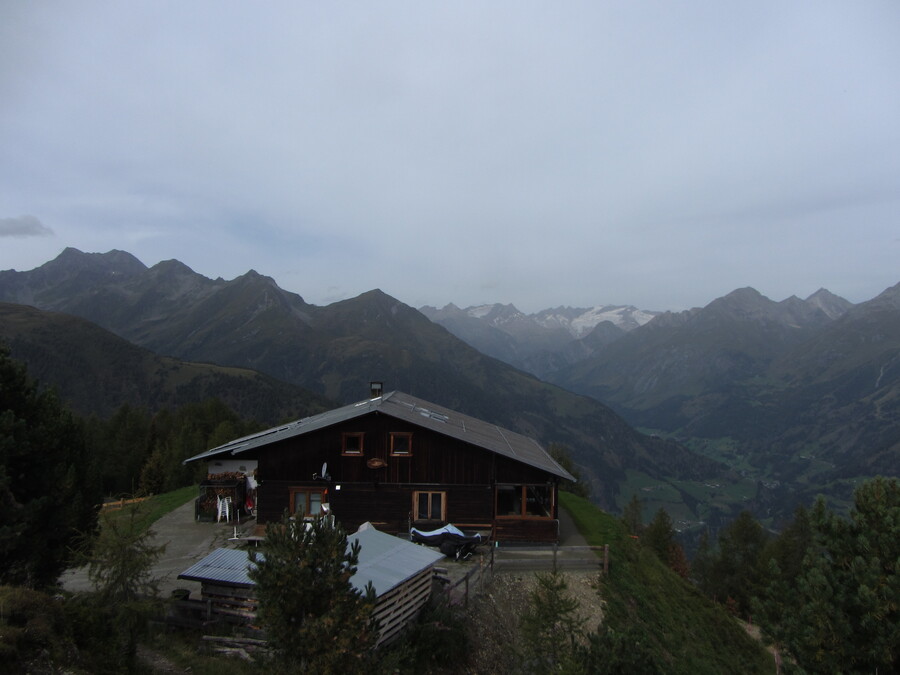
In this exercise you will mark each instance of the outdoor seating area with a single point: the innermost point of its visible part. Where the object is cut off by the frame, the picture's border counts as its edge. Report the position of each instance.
(221, 499)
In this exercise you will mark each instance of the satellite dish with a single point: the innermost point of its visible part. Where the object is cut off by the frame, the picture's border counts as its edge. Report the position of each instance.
(324, 475)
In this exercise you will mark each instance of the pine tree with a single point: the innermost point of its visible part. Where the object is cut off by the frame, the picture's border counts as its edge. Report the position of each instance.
(48, 493)
(633, 516)
(659, 536)
(314, 617)
(563, 457)
(120, 565)
(550, 626)
(735, 574)
(841, 612)
(702, 565)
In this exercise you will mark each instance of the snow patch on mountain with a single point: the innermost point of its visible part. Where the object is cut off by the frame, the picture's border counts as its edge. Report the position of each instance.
(480, 312)
(579, 321)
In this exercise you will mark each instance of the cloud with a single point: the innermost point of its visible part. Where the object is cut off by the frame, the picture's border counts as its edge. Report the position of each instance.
(627, 153)
(24, 226)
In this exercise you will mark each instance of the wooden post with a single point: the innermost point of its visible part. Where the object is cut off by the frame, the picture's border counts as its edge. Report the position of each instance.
(605, 559)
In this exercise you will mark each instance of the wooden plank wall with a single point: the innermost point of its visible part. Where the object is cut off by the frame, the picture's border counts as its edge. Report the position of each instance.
(526, 529)
(396, 608)
(233, 604)
(435, 458)
(393, 611)
(384, 495)
(387, 506)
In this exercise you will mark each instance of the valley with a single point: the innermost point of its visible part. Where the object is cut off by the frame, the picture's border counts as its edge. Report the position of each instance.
(746, 403)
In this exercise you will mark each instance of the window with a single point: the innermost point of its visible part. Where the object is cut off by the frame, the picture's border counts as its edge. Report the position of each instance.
(401, 443)
(352, 443)
(307, 502)
(531, 501)
(429, 506)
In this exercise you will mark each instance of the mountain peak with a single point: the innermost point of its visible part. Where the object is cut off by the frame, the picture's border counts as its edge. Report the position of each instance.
(742, 302)
(115, 262)
(252, 276)
(889, 298)
(745, 293)
(171, 267)
(833, 305)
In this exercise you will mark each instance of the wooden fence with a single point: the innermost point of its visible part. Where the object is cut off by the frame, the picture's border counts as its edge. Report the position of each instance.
(458, 592)
(121, 503)
(521, 559)
(571, 558)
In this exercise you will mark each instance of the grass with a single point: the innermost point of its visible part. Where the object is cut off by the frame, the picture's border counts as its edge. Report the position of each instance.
(678, 628)
(154, 508)
(185, 651)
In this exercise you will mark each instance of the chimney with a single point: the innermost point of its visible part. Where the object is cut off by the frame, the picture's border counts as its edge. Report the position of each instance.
(376, 389)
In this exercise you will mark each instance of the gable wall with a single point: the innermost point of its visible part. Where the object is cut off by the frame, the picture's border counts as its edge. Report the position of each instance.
(435, 458)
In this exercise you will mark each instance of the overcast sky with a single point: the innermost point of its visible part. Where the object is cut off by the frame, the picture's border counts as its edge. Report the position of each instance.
(659, 154)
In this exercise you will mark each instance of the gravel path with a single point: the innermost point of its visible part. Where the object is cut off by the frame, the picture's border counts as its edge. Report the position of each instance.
(186, 541)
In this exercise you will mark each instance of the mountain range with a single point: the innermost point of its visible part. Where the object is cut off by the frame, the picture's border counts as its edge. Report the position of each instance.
(543, 342)
(804, 393)
(336, 350)
(802, 396)
(744, 403)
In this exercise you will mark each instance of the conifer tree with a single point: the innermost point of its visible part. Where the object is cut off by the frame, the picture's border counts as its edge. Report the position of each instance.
(550, 626)
(314, 617)
(120, 565)
(659, 536)
(841, 611)
(48, 490)
(734, 576)
(633, 516)
(563, 457)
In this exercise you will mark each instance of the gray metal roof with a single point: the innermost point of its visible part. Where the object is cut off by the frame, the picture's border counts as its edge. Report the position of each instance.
(384, 560)
(224, 565)
(416, 411)
(387, 561)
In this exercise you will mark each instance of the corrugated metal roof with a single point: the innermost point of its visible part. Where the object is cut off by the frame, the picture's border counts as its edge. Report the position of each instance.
(384, 560)
(224, 565)
(387, 561)
(416, 411)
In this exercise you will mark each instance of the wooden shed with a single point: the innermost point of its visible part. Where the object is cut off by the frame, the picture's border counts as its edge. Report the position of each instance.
(402, 462)
(400, 572)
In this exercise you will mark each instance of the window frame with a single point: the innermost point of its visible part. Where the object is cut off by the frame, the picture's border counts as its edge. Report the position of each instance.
(431, 493)
(307, 492)
(523, 501)
(353, 452)
(408, 435)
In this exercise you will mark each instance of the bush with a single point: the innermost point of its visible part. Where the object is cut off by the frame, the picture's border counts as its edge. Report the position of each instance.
(33, 633)
(437, 641)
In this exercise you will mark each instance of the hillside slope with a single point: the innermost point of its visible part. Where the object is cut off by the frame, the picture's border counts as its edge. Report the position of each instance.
(656, 616)
(96, 372)
(801, 396)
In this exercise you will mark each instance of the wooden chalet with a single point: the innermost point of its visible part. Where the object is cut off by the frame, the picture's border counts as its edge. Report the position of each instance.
(401, 462)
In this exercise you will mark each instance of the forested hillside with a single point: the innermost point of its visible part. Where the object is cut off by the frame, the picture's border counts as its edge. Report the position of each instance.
(336, 350)
(796, 398)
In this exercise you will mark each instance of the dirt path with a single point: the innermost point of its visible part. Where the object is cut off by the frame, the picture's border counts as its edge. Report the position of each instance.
(186, 541)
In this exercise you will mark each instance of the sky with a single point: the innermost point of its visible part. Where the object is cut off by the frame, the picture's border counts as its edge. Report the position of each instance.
(659, 154)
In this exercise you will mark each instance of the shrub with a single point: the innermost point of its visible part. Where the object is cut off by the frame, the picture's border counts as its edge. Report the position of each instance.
(33, 633)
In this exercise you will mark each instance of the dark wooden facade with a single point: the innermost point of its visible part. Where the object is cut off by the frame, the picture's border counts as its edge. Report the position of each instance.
(461, 482)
